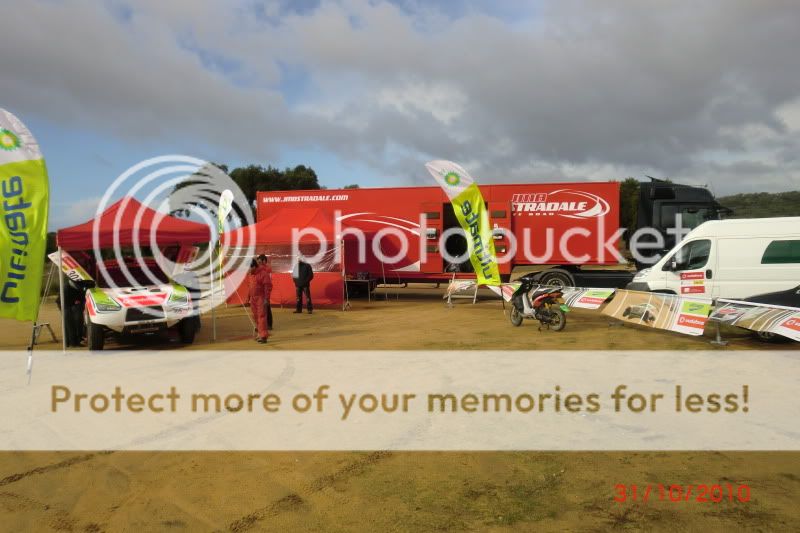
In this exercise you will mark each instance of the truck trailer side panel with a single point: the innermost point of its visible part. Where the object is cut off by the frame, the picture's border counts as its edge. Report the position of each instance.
(552, 224)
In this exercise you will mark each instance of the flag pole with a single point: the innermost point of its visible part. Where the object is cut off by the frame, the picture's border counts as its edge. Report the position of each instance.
(61, 298)
(211, 273)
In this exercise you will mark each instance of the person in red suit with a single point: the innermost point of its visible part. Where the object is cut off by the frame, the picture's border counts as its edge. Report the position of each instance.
(260, 289)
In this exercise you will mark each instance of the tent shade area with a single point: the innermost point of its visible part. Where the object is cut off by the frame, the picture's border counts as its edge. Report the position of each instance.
(127, 224)
(132, 222)
(273, 237)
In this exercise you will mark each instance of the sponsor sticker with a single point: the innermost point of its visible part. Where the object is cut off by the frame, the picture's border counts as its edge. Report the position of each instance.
(692, 321)
(564, 202)
(589, 300)
(793, 323)
(696, 308)
(693, 289)
(693, 275)
(141, 300)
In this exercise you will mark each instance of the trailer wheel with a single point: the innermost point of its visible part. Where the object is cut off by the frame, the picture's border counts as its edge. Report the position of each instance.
(95, 336)
(557, 278)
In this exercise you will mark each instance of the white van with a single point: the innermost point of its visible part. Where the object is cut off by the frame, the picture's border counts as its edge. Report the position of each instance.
(732, 259)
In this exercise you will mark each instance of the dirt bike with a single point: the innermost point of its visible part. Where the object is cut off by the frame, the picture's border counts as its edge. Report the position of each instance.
(544, 304)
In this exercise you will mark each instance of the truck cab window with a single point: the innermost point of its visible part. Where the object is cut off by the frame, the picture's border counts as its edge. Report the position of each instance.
(692, 256)
(691, 217)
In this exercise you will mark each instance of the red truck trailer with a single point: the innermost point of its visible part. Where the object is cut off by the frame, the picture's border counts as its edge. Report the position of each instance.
(565, 227)
(538, 216)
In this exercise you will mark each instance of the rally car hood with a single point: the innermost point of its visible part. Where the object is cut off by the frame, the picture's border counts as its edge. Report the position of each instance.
(140, 296)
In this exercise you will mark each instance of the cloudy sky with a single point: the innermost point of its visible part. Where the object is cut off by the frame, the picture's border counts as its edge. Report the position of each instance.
(367, 91)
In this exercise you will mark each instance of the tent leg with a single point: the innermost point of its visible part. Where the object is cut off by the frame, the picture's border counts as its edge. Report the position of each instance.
(383, 272)
(346, 293)
(211, 273)
(37, 326)
(61, 297)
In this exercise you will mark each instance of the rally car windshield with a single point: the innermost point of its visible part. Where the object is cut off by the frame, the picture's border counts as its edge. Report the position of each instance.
(136, 277)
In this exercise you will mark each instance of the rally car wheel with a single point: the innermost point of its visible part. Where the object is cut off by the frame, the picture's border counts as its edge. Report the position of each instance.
(187, 329)
(95, 336)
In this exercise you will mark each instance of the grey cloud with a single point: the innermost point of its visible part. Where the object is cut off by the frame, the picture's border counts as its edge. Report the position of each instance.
(612, 88)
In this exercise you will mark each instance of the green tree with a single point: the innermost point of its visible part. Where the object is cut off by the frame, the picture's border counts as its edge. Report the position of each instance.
(353, 186)
(254, 178)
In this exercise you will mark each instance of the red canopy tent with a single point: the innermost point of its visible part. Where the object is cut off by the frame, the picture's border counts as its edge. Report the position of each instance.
(273, 236)
(132, 222)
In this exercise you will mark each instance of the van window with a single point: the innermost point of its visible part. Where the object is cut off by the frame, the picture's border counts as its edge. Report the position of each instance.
(693, 255)
(781, 252)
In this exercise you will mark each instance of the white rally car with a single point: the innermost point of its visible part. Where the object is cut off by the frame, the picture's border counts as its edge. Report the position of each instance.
(141, 308)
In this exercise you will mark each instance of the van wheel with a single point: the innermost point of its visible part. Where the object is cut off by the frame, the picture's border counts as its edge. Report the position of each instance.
(95, 336)
(187, 329)
(766, 336)
(557, 278)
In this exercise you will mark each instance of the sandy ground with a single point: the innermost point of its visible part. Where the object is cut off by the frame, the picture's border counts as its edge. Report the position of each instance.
(363, 491)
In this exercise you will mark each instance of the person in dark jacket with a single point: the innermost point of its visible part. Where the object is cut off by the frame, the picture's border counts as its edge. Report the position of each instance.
(302, 274)
(263, 262)
(73, 311)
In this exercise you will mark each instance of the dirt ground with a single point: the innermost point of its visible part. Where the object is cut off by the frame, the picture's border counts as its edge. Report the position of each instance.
(393, 491)
(409, 319)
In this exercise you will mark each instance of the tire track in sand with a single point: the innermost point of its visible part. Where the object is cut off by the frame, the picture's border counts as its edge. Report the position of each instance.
(294, 501)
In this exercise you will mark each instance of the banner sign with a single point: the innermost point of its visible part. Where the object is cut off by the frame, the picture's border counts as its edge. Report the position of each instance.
(759, 317)
(224, 209)
(586, 298)
(458, 286)
(660, 311)
(470, 209)
(582, 298)
(70, 266)
(23, 220)
(506, 290)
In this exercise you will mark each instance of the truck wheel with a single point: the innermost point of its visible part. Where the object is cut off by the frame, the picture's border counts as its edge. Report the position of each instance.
(557, 278)
(516, 316)
(187, 329)
(95, 336)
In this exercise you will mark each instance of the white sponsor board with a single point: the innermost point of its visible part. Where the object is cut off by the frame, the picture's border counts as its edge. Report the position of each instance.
(759, 317)
(70, 266)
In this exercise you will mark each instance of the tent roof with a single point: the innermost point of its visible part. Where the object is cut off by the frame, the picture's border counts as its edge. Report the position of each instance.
(279, 226)
(131, 221)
